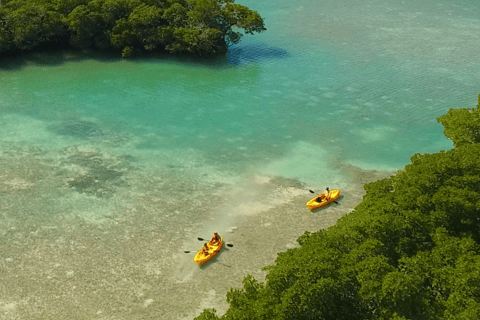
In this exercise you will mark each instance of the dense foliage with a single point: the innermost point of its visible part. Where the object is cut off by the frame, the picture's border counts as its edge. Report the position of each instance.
(409, 250)
(201, 27)
(462, 125)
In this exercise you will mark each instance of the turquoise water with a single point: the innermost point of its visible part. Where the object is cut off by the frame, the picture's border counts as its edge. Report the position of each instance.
(328, 86)
(370, 98)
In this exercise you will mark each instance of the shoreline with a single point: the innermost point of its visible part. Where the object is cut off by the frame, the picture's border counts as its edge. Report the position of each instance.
(276, 230)
(119, 252)
(125, 259)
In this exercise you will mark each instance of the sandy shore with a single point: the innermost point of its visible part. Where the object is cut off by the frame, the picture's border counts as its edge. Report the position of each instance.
(78, 240)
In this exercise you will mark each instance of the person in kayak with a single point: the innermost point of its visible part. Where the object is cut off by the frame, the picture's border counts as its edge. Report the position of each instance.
(205, 249)
(215, 239)
(327, 194)
(324, 196)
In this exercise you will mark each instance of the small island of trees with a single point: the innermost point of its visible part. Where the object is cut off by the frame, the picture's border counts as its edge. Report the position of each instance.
(198, 27)
(409, 250)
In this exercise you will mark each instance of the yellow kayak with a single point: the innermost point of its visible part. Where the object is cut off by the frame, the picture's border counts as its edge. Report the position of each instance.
(203, 256)
(316, 203)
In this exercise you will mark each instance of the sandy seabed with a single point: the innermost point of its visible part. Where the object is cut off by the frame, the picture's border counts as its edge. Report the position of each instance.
(89, 235)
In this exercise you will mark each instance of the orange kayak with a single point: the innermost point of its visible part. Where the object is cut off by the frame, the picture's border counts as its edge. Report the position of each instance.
(316, 203)
(203, 256)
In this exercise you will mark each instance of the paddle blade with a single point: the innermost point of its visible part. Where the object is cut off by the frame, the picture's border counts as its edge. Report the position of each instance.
(311, 191)
(229, 245)
(187, 251)
(200, 239)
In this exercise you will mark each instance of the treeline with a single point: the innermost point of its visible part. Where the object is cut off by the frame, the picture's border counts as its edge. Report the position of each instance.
(409, 250)
(199, 27)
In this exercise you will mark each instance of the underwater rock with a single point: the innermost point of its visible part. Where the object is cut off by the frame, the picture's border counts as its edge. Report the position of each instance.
(80, 129)
(101, 176)
(99, 181)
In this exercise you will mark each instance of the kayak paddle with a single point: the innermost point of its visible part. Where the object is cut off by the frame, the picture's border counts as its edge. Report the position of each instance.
(227, 244)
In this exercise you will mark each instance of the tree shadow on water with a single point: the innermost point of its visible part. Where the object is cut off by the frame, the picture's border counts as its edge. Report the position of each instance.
(237, 55)
(54, 57)
(258, 52)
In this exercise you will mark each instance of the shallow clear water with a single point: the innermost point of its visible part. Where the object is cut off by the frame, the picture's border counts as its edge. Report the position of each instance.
(367, 89)
(330, 84)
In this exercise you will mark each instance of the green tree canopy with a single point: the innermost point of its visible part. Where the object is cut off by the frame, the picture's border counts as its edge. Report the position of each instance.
(28, 25)
(409, 250)
(199, 27)
(462, 125)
